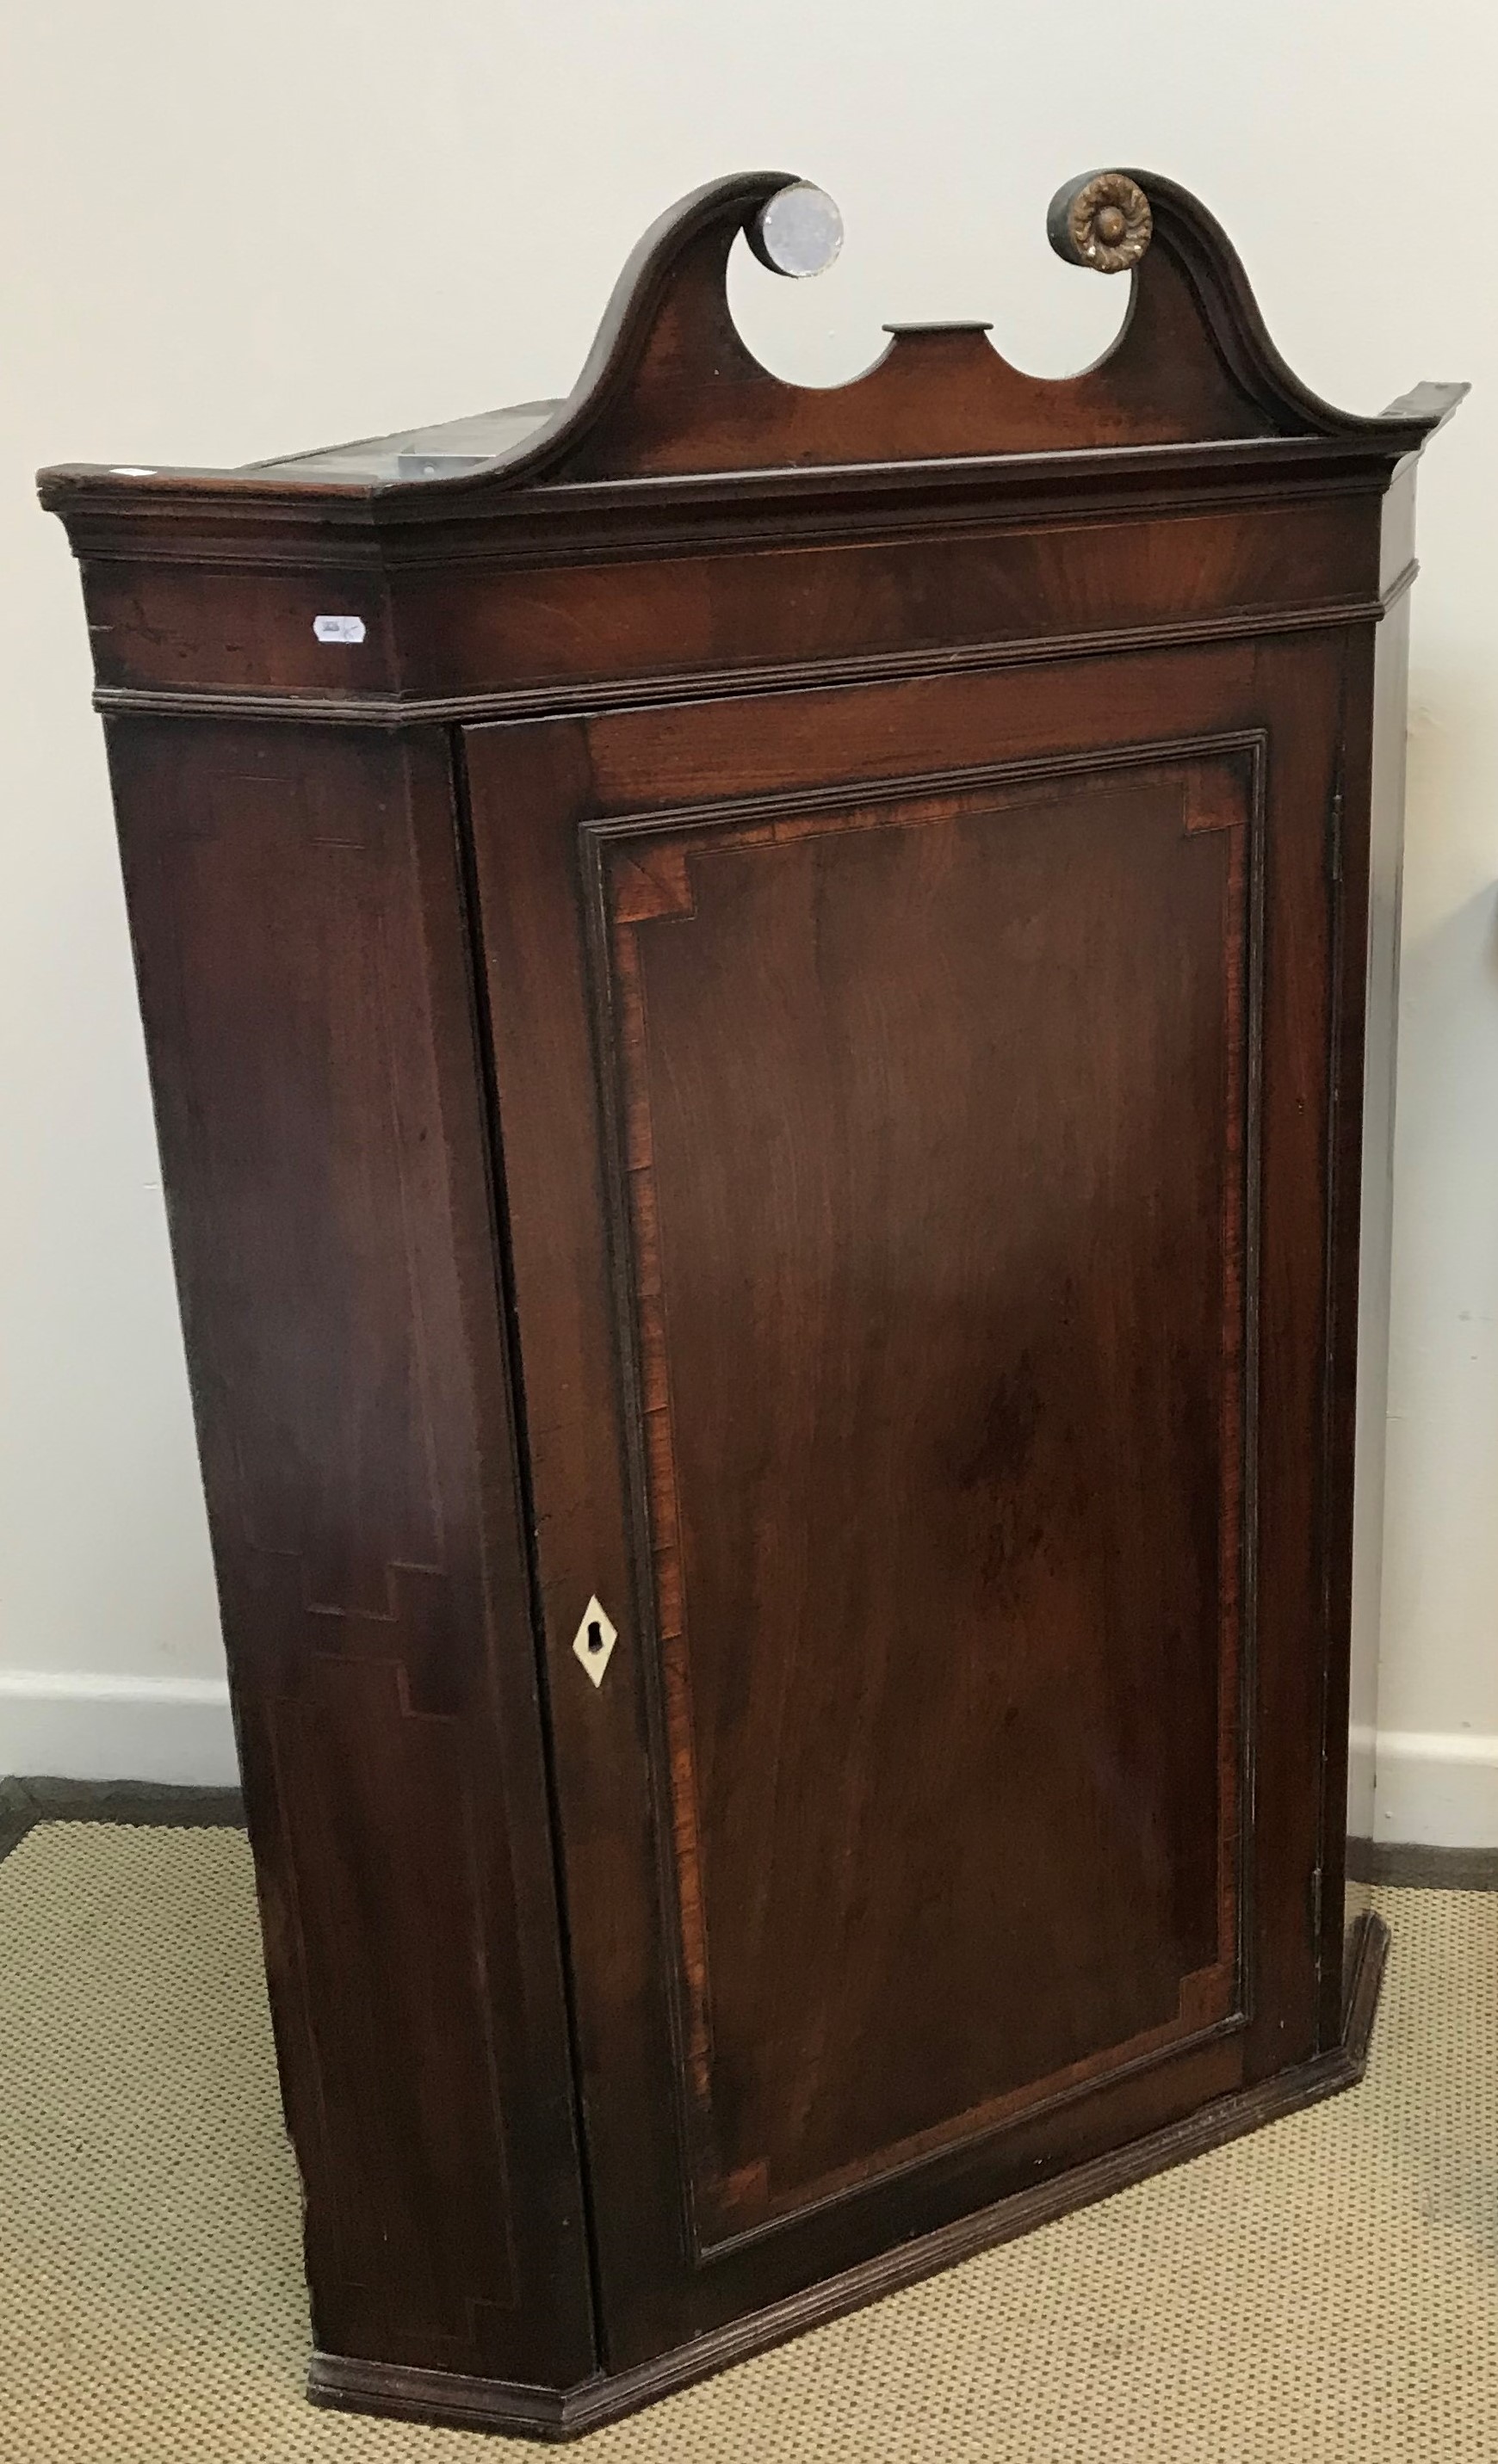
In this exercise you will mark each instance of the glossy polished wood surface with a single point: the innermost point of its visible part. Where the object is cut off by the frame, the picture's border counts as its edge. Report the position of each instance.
(758, 1053)
(1121, 1244)
(937, 1523)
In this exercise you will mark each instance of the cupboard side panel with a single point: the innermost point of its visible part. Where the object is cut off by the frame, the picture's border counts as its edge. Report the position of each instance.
(296, 915)
(1304, 1380)
(1374, 815)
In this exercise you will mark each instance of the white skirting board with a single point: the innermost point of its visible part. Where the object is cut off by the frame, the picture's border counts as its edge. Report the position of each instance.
(1434, 1790)
(172, 1730)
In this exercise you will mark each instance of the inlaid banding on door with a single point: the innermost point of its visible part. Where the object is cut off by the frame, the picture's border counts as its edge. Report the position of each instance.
(660, 874)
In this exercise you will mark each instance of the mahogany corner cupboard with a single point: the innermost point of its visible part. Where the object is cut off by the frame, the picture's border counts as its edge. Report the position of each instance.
(758, 1001)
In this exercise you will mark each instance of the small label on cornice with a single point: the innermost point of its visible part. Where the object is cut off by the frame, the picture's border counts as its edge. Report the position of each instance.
(338, 629)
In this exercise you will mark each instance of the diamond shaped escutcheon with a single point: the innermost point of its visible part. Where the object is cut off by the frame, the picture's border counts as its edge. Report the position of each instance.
(593, 1643)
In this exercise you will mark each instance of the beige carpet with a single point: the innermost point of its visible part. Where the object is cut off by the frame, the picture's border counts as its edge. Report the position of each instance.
(1328, 2289)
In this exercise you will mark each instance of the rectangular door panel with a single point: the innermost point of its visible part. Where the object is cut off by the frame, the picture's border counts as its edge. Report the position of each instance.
(934, 1120)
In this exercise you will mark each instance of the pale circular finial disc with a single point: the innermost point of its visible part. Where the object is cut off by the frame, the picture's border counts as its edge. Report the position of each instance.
(799, 232)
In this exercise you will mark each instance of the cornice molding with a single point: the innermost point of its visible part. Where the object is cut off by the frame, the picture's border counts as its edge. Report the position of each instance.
(568, 699)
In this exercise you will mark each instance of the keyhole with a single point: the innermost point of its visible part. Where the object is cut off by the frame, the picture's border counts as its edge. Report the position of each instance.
(594, 1640)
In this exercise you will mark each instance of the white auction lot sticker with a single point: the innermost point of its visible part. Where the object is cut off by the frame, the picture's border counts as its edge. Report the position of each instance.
(338, 629)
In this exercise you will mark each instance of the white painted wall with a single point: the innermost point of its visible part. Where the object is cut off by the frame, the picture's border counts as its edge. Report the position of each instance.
(232, 233)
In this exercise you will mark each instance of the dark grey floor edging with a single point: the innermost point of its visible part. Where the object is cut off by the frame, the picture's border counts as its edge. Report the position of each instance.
(1407, 1866)
(26, 1802)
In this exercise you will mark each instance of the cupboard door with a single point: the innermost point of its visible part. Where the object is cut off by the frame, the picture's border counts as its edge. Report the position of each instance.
(913, 1107)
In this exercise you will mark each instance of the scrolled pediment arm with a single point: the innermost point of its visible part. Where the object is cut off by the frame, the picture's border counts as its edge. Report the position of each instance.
(1086, 216)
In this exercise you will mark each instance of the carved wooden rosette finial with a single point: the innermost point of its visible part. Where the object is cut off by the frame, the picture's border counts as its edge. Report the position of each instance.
(1103, 222)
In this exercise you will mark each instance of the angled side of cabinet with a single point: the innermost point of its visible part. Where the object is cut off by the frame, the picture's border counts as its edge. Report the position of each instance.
(304, 979)
(757, 1003)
